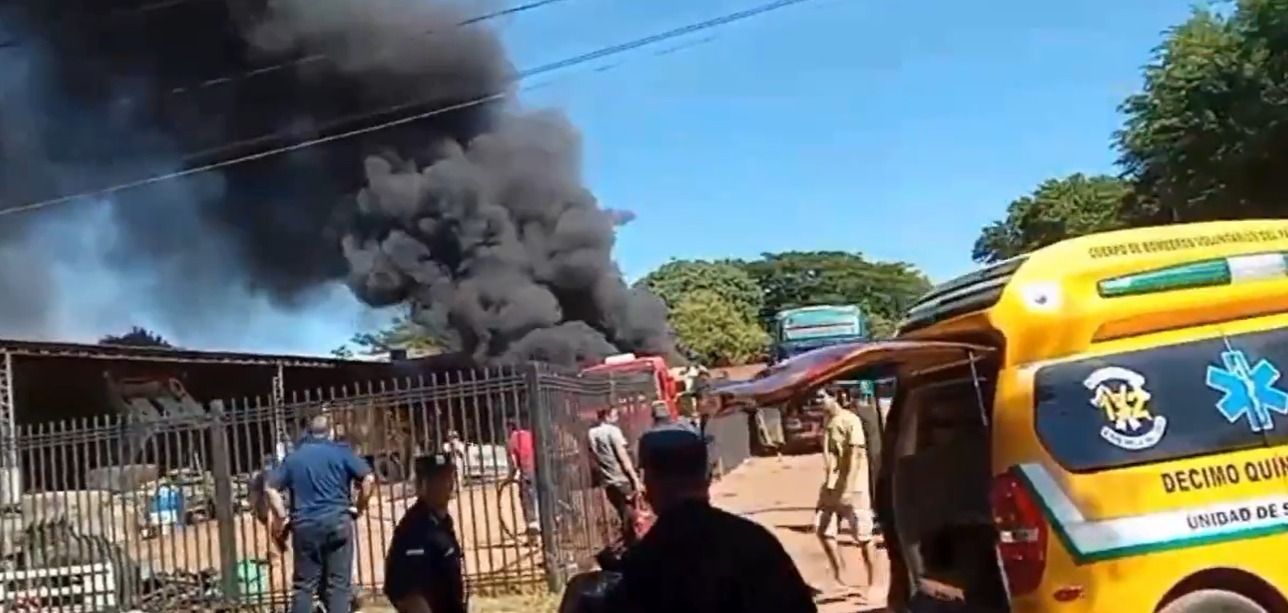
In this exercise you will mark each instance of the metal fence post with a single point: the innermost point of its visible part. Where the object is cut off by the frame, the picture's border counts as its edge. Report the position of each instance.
(221, 469)
(544, 440)
(8, 419)
(281, 440)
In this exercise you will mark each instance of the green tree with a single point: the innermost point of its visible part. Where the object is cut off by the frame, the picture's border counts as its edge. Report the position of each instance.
(804, 278)
(1205, 137)
(403, 332)
(137, 337)
(1058, 209)
(679, 278)
(716, 330)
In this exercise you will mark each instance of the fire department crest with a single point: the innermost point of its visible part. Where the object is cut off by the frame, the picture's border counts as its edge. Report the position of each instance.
(1121, 397)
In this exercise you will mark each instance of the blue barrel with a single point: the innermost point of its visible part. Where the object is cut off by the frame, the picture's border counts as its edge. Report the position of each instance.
(167, 506)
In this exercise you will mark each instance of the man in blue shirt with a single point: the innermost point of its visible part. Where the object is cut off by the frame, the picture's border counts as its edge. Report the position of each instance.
(320, 474)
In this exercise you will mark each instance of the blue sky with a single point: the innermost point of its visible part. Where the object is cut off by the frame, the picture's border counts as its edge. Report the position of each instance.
(892, 128)
(896, 129)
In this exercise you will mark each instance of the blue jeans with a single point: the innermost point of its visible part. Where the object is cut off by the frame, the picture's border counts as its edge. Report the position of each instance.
(323, 564)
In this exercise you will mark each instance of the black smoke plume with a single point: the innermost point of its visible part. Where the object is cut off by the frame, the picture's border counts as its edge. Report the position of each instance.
(476, 217)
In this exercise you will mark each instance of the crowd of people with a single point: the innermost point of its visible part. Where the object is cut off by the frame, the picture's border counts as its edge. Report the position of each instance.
(695, 557)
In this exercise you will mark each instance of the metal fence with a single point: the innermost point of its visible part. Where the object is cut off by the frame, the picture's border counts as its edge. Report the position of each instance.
(160, 508)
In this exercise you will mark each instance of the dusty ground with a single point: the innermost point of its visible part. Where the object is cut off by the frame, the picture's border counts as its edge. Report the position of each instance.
(777, 492)
(780, 494)
(493, 558)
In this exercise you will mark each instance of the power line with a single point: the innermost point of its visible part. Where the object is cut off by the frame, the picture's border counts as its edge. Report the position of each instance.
(308, 59)
(550, 67)
(564, 63)
(546, 68)
(318, 57)
(344, 120)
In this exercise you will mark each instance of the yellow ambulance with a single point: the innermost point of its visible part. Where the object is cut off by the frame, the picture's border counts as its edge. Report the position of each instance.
(1098, 426)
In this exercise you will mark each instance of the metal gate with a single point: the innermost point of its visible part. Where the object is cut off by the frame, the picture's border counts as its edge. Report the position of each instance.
(162, 506)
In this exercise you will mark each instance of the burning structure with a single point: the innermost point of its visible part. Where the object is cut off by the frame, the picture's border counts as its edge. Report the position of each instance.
(476, 217)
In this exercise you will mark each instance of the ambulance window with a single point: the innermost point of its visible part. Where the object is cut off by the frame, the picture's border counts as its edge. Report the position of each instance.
(1153, 405)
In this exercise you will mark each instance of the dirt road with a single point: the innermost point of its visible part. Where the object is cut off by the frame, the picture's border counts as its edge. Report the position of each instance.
(780, 494)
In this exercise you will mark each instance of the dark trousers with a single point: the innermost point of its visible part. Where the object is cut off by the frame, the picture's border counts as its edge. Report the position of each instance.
(621, 499)
(323, 564)
(528, 498)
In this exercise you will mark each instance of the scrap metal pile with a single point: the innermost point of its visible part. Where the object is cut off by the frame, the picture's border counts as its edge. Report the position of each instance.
(64, 541)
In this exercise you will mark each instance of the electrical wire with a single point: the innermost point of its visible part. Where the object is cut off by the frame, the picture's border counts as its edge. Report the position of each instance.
(336, 123)
(318, 57)
(308, 59)
(546, 68)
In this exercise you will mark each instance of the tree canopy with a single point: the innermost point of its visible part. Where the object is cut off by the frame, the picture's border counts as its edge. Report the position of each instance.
(137, 337)
(721, 311)
(1205, 138)
(715, 330)
(803, 278)
(1056, 210)
(402, 333)
(676, 279)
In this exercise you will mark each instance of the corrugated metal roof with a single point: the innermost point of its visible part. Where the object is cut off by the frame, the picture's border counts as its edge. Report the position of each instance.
(160, 354)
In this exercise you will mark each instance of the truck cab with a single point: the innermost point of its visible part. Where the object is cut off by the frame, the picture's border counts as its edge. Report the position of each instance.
(798, 425)
(803, 329)
(667, 387)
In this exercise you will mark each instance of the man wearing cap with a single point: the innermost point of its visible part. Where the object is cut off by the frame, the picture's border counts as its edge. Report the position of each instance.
(844, 495)
(319, 474)
(423, 572)
(697, 557)
(661, 413)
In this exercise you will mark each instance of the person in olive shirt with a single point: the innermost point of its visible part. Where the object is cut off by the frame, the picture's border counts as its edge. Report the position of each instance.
(844, 495)
(697, 558)
(423, 572)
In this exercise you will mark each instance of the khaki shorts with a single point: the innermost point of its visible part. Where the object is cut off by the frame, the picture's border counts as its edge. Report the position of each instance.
(856, 512)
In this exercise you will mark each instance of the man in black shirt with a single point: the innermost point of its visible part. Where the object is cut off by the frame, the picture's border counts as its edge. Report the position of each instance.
(423, 564)
(697, 558)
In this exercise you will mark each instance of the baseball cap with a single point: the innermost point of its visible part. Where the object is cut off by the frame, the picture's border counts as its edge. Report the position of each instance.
(432, 464)
(673, 449)
(660, 410)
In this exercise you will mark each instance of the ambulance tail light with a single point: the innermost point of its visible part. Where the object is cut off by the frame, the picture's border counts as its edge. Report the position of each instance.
(1022, 534)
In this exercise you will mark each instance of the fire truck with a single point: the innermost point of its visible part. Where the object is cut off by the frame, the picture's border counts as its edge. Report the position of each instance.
(667, 387)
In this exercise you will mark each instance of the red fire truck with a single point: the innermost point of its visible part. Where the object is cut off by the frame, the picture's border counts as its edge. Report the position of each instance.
(668, 388)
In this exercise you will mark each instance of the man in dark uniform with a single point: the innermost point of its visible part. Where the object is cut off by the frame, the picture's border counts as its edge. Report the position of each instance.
(698, 558)
(423, 564)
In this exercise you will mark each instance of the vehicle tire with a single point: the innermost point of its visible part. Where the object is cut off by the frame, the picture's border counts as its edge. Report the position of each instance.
(503, 493)
(1213, 601)
(388, 470)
